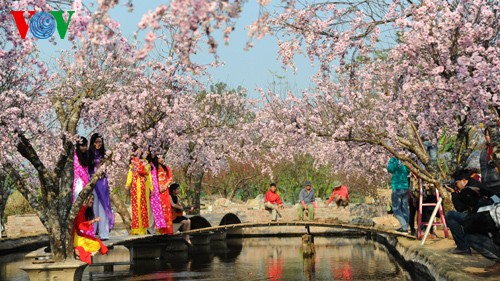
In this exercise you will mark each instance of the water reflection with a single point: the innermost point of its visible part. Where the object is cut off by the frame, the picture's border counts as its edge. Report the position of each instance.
(274, 265)
(335, 259)
(227, 251)
(9, 267)
(309, 268)
(265, 259)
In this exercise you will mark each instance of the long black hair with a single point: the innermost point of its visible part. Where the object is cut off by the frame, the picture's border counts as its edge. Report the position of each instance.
(171, 188)
(161, 165)
(153, 160)
(133, 153)
(83, 157)
(102, 150)
(89, 212)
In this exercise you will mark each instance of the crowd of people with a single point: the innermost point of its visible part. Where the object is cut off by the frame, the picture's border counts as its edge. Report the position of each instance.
(156, 206)
(474, 222)
(153, 194)
(307, 200)
(95, 215)
(154, 198)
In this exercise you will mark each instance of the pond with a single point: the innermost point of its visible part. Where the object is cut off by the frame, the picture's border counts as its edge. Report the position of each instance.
(269, 258)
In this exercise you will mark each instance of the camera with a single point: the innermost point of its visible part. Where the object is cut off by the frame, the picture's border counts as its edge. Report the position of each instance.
(448, 184)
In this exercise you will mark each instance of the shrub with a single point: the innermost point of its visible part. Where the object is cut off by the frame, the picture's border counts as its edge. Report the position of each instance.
(16, 205)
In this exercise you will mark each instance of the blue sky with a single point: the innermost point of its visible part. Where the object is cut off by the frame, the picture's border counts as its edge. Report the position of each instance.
(257, 67)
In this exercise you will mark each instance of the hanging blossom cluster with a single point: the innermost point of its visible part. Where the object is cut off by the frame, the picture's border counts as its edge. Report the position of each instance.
(325, 32)
(440, 75)
(190, 21)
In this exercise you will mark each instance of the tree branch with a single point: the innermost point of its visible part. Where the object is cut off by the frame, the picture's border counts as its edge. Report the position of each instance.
(47, 180)
(416, 169)
(33, 200)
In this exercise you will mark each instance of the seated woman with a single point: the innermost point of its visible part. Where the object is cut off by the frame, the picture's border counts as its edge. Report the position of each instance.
(177, 211)
(84, 240)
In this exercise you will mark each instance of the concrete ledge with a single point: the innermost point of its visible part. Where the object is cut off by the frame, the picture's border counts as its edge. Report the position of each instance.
(117, 259)
(38, 255)
(69, 270)
(10, 245)
(434, 260)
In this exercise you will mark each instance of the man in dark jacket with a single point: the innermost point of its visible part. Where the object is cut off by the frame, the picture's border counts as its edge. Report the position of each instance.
(482, 232)
(466, 199)
(489, 175)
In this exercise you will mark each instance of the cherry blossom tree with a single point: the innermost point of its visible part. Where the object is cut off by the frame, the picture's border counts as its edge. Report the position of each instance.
(242, 178)
(391, 74)
(105, 84)
(216, 132)
(440, 75)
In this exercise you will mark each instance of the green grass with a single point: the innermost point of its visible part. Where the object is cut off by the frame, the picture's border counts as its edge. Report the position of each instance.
(356, 198)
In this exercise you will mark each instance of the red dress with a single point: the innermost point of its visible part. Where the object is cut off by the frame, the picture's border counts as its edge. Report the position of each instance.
(84, 239)
(164, 180)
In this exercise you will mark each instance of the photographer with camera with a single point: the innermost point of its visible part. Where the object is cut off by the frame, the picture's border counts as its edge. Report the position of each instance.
(468, 195)
(483, 228)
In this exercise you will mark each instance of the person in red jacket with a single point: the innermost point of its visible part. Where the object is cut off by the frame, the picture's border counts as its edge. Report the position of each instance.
(272, 201)
(340, 195)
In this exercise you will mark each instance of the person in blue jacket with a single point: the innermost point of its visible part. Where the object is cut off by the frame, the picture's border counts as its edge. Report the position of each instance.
(399, 184)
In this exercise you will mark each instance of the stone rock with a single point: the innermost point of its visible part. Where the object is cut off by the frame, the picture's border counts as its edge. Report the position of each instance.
(223, 202)
(383, 196)
(24, 225)
(385, 221)
(320, 202)
(366, 211)
(254, 204)
(329, 220)
(362, 221)
(257, 203)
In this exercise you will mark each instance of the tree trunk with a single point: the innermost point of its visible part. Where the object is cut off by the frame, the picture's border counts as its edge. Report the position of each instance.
(59, 242)
(197, 191)
(5, 191)
(122, 210)
(233, 193)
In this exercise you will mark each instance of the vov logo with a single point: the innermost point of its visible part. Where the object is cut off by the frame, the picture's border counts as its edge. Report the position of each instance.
(42, 24)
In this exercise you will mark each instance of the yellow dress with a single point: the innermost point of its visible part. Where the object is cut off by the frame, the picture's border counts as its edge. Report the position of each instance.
(84, 240)
(139, 178)
(91, 246)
